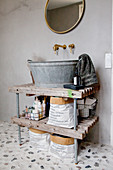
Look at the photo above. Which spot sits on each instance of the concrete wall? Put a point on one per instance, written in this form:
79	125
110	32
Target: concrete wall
112	85
25	35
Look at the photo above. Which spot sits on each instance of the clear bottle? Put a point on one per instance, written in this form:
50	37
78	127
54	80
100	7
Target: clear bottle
40	110
35	115
44	106
35	104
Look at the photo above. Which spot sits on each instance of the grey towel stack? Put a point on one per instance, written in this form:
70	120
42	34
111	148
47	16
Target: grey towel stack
86	70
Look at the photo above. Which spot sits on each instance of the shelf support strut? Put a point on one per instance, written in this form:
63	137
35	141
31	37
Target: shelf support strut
75	124
18	115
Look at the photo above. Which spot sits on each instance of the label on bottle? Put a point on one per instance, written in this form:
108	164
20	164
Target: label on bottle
75	80
36	116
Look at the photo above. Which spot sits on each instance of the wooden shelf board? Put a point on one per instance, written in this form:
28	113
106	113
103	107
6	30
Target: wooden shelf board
61	92
80	133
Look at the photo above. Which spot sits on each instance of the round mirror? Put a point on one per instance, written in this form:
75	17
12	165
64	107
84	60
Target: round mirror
63	15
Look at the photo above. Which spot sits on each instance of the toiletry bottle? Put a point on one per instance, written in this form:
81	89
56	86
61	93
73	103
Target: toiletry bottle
41	114
35	104
77	81
42	109
47	106
32	117
36	116
44	106
26	112
39	109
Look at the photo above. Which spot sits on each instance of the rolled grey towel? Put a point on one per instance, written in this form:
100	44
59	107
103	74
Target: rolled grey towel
86	70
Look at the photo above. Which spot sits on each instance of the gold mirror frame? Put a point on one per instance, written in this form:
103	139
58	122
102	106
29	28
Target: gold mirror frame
71	28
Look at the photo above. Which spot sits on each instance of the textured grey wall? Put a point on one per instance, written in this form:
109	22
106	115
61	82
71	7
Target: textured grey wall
25	35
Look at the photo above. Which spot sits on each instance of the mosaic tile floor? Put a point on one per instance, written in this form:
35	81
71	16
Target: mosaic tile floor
25	157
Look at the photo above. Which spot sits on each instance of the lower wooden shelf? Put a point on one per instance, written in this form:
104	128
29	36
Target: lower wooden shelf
81	131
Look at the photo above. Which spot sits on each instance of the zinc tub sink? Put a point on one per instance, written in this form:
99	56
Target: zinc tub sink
50	74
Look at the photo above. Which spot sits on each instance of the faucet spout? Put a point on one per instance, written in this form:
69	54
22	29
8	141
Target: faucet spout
56	47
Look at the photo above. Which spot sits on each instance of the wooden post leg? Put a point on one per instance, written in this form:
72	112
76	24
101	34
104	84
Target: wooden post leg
75	124
18	115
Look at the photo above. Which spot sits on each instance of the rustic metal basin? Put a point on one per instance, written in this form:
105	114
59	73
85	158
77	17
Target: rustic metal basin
50	74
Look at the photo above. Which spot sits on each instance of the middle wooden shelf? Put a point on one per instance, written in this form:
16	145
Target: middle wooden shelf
82	128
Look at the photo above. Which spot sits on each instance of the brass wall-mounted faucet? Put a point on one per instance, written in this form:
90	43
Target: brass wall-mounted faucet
71	46
56	47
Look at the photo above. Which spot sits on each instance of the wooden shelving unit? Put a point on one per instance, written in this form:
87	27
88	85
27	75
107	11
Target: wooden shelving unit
80	130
